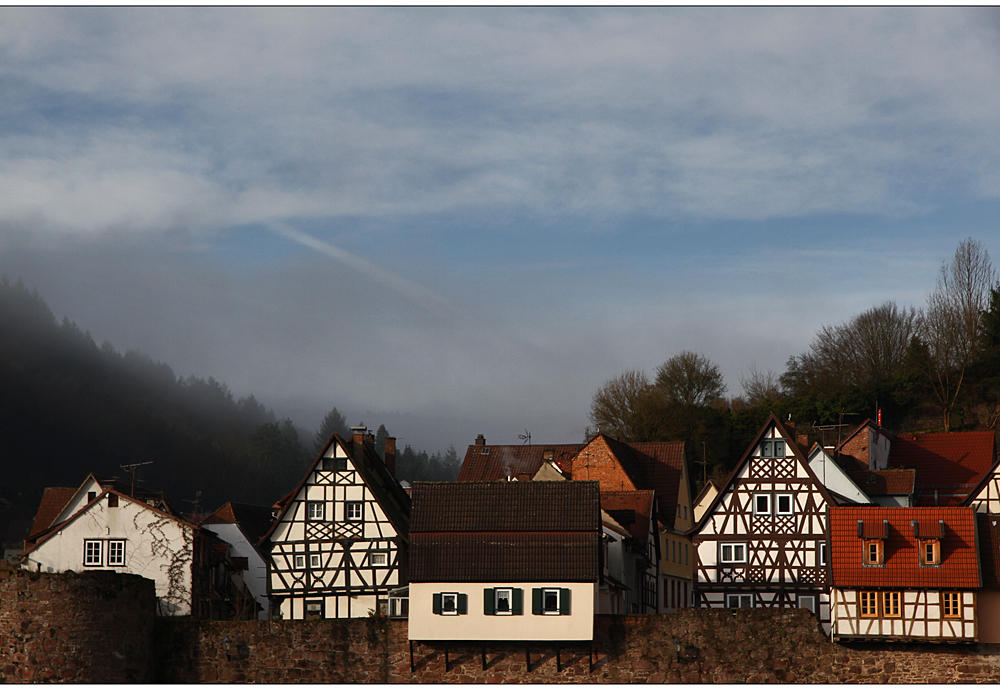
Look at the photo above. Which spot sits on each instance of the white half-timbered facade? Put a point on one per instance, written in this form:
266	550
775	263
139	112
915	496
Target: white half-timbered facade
904	574
762	542
339	542
985	498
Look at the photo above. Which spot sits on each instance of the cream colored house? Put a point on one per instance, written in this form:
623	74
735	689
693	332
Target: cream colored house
514	561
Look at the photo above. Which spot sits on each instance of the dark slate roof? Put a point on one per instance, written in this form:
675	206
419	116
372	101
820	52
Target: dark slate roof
505	531
499	557
505	507
490	463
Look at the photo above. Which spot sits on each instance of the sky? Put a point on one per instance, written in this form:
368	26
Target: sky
465	220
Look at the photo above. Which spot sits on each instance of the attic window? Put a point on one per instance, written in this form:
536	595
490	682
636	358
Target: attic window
485	450
871	478
91	495
112	500
930	552
873	554
772	448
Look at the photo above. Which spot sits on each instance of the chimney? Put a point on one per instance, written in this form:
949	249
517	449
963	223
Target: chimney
390	455
803	441
480	440
358	442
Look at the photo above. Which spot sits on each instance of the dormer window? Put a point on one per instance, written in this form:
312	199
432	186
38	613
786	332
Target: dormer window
874	553
930	552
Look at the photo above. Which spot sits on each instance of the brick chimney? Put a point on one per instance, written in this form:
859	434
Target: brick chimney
358	442
390	455
480	440
803	441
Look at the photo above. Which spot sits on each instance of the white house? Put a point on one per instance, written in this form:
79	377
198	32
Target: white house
242	526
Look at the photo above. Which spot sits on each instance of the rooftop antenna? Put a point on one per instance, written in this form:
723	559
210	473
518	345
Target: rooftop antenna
196	502
526	437
132	468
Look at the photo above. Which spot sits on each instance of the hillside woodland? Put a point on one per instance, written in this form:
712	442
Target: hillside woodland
69	406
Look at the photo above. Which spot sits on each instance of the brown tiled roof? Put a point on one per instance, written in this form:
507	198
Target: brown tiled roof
490	463
989	548
54	499
498	557
884	482
952	463
640	503
505	507
959	564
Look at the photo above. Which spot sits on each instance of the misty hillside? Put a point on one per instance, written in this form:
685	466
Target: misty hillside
69	406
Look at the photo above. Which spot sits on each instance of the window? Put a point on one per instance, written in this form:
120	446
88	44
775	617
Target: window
91	495
734	553
686	554
503	601
300	562
354	510
314	610
112	500
550	602
331	464
772	448
739	601
808	602
116	551
890	605
92	552
378	558
930	552
399	607
314	510
822	553
762	504
783	504
949	605
451	604
869	605
315	560
873	552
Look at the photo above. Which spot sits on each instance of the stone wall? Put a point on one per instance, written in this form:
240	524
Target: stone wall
94	627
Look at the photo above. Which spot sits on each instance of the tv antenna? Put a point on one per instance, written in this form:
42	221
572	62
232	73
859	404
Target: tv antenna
132	468
526	437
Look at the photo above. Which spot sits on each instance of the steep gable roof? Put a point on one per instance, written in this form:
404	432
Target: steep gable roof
884	482
497	531
797	452
959	561
952	463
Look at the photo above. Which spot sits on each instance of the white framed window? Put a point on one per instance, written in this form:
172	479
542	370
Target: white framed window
377	558
772	448
299	562
550	602
808	602
739	601
399	607
354	511
116	552
784	504
762	504
503	599
93	552
314	610
314	510
821	553
315	560
733	553
449	604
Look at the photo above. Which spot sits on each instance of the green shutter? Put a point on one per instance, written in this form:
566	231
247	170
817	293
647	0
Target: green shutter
564	602
536	600
437	604
488	603
518	604
463	604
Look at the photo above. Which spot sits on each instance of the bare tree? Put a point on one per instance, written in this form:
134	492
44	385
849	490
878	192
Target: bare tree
760	387
952	324
690	379
628	407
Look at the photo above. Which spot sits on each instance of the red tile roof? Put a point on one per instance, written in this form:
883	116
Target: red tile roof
54	499
490	463
638	504
951	463
884	482
959	562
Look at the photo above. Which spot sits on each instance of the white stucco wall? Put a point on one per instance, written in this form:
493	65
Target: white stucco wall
157	547
424	624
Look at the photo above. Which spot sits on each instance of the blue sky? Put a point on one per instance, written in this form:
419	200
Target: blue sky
464	221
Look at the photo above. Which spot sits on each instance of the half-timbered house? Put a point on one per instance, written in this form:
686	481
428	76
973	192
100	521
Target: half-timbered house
339	542
762	541
516	561
907	574
985	496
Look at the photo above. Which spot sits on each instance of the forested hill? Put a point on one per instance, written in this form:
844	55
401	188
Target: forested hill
69	406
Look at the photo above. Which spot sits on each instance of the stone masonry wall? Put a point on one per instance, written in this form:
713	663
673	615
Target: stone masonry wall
94	627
